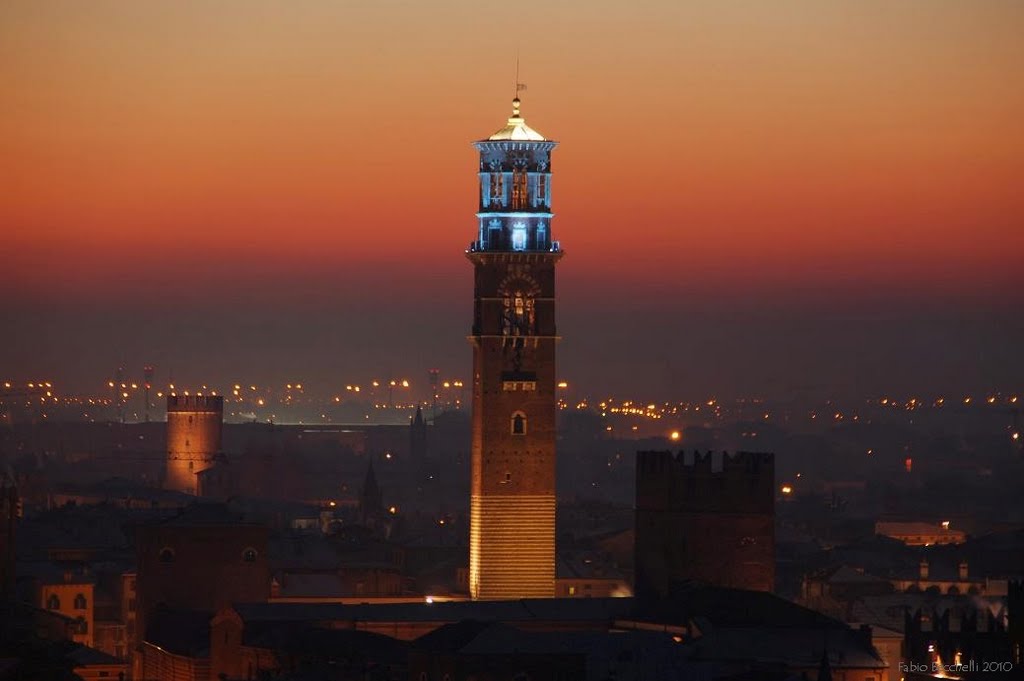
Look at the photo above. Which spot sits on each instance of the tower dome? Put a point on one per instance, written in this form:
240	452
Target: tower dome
516	129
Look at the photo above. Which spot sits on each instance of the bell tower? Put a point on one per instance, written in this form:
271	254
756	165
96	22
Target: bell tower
512	504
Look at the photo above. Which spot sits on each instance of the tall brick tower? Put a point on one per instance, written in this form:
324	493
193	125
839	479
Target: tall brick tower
194	426
512	504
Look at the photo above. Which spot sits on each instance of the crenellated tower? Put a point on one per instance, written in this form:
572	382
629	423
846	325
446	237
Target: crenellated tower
696	522
512	504
194	431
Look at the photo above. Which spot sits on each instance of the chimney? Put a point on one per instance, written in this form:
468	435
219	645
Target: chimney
924	568
962	570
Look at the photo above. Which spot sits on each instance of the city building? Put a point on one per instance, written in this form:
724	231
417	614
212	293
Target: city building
512	502
194	435
697	523
189	566
920	533
69	593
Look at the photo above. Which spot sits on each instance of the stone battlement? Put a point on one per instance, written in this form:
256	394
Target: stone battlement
673	481
195	403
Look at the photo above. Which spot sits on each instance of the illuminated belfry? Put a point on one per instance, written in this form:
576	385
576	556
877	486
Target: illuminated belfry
512	504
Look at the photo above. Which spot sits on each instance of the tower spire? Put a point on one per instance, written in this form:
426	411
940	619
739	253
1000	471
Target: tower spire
519	87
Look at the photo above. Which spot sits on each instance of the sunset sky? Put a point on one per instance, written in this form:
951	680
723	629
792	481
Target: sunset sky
754	197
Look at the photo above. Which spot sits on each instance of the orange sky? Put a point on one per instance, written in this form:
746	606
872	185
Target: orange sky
852	148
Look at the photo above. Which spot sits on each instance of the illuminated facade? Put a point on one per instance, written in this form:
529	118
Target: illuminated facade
512	504
194	427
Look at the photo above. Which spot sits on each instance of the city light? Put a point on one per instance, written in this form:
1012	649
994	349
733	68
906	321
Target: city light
674	436
787	489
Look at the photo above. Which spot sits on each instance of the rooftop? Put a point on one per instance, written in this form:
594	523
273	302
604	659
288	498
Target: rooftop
516	130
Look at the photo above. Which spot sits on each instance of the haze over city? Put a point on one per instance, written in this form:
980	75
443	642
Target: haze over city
756	199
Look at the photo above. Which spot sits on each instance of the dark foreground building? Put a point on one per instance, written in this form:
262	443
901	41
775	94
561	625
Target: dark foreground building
694	522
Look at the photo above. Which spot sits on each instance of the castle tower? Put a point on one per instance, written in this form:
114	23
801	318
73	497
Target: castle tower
512	503
194	425
697	523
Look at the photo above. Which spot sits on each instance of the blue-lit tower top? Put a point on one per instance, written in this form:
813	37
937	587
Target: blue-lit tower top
515	189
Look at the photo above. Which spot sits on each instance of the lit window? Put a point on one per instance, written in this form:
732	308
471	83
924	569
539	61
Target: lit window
497	189
572	591
519	237
519	192
519	423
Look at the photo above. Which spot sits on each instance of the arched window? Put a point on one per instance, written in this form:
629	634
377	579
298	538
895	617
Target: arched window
167	555
53	602
519	423
249	555
80	603
82	625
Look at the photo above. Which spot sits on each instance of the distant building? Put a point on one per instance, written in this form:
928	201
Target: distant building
371	499
194	433
9	509
696	523
418	445
512	499
69	593
920	533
